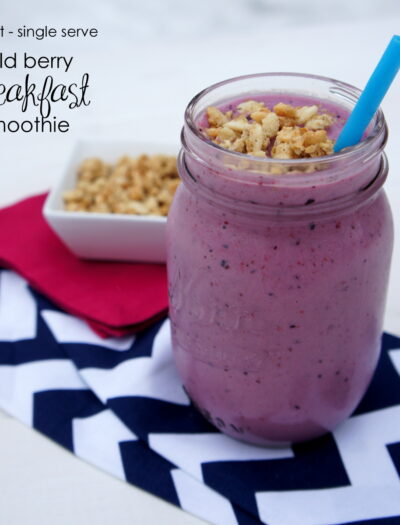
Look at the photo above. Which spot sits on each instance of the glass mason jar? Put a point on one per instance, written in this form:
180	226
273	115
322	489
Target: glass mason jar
278	272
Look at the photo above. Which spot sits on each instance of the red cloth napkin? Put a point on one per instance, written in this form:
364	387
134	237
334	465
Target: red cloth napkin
114	298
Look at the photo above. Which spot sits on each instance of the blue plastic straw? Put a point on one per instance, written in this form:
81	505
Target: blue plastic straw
371	97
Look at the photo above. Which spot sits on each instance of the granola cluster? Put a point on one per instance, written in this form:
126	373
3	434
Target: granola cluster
143	186
286	132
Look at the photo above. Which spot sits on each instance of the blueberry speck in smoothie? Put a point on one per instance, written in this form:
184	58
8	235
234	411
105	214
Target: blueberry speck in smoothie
220	422
224	264
239	430
309	201
311	226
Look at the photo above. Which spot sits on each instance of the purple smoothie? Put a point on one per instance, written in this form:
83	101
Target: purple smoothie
277	287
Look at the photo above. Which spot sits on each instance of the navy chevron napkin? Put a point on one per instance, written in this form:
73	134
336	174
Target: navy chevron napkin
118	404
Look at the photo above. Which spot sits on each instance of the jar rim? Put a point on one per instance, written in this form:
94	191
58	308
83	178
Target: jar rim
294	211
378	131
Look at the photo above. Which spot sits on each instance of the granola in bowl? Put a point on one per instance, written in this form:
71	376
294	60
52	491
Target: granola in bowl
144	185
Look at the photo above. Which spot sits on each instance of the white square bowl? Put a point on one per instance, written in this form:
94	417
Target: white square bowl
107	236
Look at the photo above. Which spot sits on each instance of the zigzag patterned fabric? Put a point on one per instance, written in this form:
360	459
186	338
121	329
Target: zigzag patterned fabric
118	404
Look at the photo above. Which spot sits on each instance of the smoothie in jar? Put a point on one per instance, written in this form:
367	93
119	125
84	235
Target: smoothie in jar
277	263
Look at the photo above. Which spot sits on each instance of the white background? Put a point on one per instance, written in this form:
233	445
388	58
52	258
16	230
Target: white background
149	59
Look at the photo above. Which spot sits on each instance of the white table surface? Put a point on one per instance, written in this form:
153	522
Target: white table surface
40	482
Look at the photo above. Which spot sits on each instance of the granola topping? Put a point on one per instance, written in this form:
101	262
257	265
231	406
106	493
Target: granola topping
141	186
285	132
